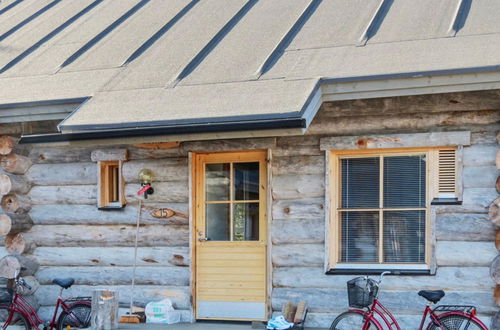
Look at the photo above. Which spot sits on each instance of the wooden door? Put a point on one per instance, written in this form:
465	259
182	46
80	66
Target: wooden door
230	235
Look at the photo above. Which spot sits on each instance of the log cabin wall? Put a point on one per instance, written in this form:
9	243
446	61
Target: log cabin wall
71	237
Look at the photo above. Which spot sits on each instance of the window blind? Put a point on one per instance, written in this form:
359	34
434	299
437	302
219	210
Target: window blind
383	224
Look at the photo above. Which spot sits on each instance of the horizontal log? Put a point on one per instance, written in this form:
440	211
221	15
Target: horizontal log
298	165
112	256
64	194
123	235
135	152
179	295
480	155
97	275
15	164
385	141
327	300
298	231
380	124
51	155
449	253
11	223
464	227
229	145
14	203
63	174
305	150
446	278
479	176
170	169
416	104
486	135
298	186
11	183
90	215
478	199
304	208
165	192
109	155
7	144
298	255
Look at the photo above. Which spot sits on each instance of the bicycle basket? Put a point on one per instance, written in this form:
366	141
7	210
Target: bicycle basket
361	292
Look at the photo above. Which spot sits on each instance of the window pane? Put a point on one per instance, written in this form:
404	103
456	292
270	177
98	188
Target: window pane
246	181
404	181
217	222
360	182
404	236
359	236
246	222
217	182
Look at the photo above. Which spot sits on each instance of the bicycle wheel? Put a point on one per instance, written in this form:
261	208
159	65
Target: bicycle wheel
457	322
352	321
18	321
78	317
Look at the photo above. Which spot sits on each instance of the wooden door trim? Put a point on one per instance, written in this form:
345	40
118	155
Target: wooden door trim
195	186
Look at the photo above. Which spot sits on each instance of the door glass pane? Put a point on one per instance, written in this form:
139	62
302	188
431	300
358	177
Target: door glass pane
217	222
246	181
360	182
246	222
359	236
404	236
217	182
404	181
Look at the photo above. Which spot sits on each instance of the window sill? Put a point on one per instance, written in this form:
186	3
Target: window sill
446	201
111	208
377	270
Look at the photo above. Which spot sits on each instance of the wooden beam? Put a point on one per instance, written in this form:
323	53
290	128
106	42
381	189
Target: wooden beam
383	141
158	145
109	155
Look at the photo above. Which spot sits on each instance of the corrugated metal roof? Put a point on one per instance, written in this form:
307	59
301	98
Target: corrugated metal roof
153	60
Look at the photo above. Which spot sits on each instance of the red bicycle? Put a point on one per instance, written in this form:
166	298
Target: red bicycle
367	312
18	314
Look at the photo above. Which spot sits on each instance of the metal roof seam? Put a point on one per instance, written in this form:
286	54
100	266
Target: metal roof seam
460	17
9	7
49	36
376	21
28	19
198	58
158	34
280	48
101	35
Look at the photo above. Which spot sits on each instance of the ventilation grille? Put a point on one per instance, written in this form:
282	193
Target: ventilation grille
447	171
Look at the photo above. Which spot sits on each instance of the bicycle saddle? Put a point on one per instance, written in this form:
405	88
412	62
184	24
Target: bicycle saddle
64	282
432	296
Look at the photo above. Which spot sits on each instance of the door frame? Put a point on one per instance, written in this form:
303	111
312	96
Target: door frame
193	183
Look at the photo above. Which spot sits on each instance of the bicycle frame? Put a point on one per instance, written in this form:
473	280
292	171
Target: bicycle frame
377	308
21	306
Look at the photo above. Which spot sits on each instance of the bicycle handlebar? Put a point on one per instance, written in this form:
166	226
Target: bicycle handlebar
23	283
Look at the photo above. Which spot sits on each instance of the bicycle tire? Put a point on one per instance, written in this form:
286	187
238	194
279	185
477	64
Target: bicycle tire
457	322
79	311
351	320
18	322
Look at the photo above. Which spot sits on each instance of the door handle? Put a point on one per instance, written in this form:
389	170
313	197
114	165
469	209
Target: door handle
203	239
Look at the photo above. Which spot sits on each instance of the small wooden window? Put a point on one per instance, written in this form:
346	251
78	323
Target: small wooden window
110	184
